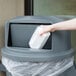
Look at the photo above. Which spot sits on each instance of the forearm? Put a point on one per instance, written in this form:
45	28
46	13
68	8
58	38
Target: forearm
65	25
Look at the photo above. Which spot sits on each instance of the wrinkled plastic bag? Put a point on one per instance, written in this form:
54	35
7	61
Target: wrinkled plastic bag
53	68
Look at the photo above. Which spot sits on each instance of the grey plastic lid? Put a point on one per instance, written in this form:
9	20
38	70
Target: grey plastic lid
27	54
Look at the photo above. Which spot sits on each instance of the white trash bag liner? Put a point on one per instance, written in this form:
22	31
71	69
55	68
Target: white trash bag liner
37	69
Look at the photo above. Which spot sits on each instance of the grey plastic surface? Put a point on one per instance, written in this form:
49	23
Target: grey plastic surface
26	54
69	72
18	32
2	68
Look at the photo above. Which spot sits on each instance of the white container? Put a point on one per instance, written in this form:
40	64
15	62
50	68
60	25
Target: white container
38	41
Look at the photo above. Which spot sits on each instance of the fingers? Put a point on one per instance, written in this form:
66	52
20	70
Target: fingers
44	29
41	33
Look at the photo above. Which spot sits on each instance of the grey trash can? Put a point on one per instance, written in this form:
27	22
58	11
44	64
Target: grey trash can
18	32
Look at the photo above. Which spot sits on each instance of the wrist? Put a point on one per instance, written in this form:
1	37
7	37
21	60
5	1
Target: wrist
52	28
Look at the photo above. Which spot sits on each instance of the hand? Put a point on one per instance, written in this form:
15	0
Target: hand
46	28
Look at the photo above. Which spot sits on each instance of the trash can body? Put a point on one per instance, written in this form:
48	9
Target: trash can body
18	32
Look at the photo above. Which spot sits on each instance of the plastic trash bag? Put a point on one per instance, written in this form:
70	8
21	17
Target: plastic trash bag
53	68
